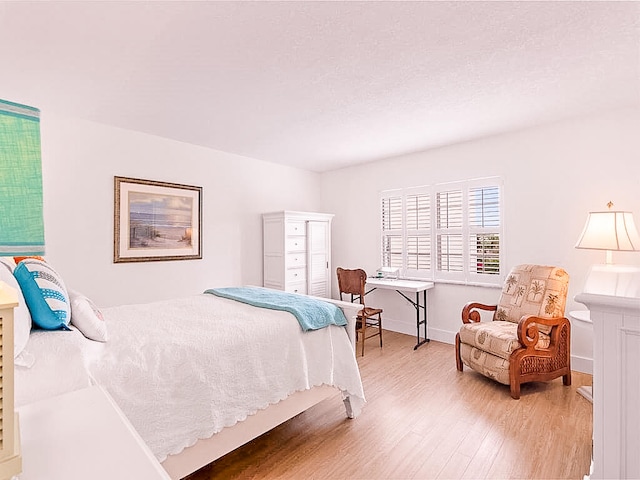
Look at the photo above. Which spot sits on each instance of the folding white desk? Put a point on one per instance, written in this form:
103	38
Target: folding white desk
411	286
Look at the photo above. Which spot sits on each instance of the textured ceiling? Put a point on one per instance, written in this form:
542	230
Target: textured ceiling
321	85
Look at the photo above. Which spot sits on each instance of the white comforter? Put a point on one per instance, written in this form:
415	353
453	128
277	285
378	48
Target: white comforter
182	370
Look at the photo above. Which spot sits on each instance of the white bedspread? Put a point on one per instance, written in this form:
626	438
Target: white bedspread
182	370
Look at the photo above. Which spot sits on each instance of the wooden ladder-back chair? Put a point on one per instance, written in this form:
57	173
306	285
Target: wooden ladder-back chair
352	282
529	338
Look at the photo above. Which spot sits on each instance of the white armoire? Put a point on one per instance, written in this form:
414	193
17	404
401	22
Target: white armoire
297	252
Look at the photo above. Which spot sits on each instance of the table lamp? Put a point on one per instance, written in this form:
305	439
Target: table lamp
21	233
611	230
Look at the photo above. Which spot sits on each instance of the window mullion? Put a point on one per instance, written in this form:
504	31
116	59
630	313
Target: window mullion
465	228
403	271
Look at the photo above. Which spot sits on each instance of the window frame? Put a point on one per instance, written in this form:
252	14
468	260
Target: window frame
463	228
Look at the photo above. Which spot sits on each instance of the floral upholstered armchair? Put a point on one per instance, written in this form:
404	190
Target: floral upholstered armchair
529	338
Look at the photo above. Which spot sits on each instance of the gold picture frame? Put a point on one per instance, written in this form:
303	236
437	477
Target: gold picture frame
156	221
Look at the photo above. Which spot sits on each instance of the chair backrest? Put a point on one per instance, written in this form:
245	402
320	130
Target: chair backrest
352	282
533	290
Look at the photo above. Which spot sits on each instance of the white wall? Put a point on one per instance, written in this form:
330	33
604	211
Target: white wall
553	175
80	160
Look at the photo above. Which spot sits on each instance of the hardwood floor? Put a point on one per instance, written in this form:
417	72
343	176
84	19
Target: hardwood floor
425	420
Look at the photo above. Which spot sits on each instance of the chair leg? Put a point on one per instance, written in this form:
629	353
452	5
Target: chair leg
566	379
363	333
459	364
380	328
515	390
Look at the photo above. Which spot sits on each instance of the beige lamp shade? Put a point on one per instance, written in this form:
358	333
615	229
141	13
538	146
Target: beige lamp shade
610	230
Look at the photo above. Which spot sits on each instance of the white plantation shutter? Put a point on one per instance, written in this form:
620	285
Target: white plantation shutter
469	231
392	240
417	233
418	211
449	222
392	251
484	230
392	213
450	252
450	232
419	252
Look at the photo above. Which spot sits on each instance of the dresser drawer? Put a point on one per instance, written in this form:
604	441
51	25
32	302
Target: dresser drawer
294	275
295	228
296	260
300	287
295	244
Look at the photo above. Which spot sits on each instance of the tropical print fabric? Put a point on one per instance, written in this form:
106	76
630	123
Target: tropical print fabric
533	290
528	290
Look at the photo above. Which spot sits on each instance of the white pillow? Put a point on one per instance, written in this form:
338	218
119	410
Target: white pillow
9	262
87	318
21	314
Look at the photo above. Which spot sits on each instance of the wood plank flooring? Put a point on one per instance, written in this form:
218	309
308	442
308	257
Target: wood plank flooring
425	420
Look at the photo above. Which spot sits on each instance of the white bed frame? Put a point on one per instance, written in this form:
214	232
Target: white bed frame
207	450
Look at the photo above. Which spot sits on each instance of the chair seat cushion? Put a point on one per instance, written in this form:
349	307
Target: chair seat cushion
499	338
485	363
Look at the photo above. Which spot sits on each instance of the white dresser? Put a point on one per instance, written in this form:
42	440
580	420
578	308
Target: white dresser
297	252
616	385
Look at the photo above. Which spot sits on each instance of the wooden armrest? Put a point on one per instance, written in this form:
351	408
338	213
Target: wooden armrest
528	333
470	311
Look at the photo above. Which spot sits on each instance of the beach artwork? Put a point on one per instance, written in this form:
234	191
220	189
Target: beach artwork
156	221
159	221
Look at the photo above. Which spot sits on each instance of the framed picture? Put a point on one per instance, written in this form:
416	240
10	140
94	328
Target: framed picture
156	221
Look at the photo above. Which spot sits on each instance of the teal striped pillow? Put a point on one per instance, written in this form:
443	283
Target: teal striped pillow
44	293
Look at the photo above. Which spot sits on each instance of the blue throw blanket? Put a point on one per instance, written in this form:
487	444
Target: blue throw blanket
312	314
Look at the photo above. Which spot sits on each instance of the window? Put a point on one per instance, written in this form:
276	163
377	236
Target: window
448	232
484	230
406	231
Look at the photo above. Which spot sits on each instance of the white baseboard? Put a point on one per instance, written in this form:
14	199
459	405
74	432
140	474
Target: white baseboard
400	327
582	364
410	329
579	364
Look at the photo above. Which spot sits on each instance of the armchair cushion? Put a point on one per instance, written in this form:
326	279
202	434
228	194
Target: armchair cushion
485	363
499	338
533	290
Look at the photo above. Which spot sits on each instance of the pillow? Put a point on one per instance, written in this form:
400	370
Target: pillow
45	294
19	259
21	315
9	262
87	318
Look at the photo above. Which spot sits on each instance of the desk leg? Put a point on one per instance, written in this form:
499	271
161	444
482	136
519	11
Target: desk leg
421	322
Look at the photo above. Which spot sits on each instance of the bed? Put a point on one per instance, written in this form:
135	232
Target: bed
201	375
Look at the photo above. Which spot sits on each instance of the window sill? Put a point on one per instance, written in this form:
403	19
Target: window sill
457	282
